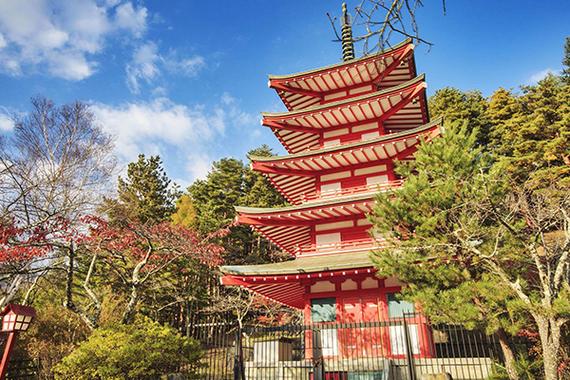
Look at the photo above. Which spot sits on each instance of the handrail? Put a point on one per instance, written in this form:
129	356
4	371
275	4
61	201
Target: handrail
384	186
337	247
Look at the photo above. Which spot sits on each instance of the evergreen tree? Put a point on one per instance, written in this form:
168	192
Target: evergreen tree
231	183
454	105
566	62
479	232
419	220
145	195
530	135
185	214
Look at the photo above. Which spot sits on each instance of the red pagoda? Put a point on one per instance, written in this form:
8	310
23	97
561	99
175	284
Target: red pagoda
345	127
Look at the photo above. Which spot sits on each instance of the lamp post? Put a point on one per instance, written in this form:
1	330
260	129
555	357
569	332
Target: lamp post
15	319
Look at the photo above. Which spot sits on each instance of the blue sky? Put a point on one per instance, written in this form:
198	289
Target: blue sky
187	79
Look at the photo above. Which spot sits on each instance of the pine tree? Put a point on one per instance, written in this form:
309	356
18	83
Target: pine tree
231	183
419	220
145	195
566	62
470	106
530	135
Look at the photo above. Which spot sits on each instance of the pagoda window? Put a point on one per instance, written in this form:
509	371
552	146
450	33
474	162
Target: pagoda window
334	225
335	176
371	169
335	95
330	187
365	127
327	241
323	309
370	135
398	307
377	179
330	143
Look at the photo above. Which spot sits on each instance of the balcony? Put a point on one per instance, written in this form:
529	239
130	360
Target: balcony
339	247
370	188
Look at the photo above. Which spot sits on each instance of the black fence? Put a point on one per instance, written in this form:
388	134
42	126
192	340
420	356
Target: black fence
401	349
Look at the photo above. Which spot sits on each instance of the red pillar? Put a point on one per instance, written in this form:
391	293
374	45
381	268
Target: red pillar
7	351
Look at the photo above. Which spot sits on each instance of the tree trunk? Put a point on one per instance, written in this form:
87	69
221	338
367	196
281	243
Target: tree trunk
508	354
130	309
68	302
12	290
549	333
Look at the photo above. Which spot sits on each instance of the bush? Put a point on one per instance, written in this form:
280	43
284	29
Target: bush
54	334
143	350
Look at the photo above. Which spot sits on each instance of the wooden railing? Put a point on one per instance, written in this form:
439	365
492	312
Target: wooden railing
339	247
375	187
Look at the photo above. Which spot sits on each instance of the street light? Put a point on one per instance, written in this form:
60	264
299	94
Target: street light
15	319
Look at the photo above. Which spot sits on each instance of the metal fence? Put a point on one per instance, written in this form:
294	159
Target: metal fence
400	349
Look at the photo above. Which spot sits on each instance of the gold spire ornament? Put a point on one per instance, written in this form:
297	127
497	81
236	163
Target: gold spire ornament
347	42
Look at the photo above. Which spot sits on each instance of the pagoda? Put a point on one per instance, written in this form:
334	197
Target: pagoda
345	127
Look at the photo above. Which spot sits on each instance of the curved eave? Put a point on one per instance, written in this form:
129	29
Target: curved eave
281	271
392	109
346	102
346	79
339	65
284	282
290	227
360	144
280	212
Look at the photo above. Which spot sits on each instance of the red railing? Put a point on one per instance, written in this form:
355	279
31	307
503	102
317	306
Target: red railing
375	187
338	247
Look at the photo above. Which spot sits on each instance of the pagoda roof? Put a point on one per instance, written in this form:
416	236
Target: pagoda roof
290	227
284	282
301	129
295	175
384	69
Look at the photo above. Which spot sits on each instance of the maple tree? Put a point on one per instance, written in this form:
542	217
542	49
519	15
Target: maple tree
134	255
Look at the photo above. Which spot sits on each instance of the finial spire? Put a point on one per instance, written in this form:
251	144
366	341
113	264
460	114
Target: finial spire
347	43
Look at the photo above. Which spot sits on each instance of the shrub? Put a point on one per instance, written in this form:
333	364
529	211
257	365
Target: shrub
54	334
143	350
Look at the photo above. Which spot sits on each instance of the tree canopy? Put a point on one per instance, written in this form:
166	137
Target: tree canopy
479	231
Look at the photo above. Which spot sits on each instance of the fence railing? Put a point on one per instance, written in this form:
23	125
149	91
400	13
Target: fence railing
398	349
373	187
347	245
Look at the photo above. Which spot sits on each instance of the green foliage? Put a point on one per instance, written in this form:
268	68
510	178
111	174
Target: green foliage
144	350
145	195
479	228
566	61
527	369
530	136
231	183
54	334
419	220
455	105
185	214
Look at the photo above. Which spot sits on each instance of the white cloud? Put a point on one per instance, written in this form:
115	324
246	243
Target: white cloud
135	124
144	66
147	64
175	131
6	122
197	165
62	37
189	67
538	76
235	113
131	18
